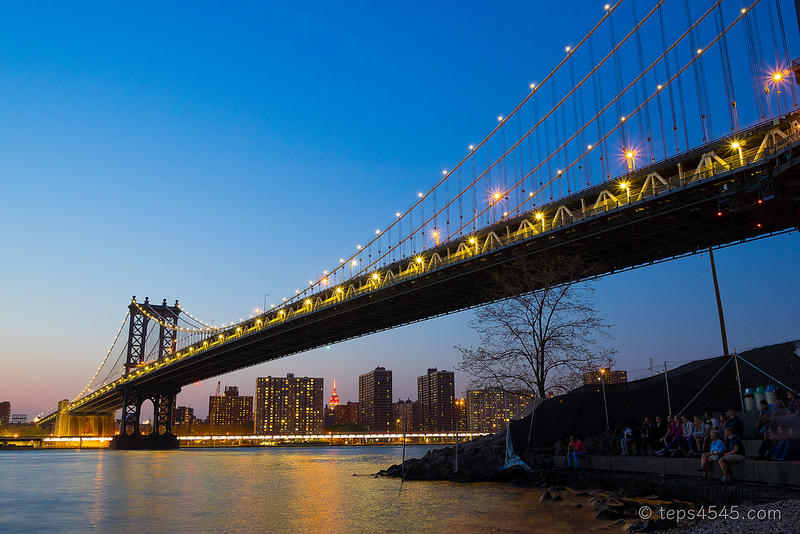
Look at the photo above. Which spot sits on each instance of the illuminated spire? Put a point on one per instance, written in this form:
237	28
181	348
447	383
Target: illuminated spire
334	401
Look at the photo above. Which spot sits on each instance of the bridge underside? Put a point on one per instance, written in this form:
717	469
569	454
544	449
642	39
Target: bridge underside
744	203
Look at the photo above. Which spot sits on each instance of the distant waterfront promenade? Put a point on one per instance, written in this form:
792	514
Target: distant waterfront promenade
250	440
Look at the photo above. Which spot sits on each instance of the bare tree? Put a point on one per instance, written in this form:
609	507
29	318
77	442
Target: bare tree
541	333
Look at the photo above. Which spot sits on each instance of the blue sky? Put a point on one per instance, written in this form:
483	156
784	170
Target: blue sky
215	154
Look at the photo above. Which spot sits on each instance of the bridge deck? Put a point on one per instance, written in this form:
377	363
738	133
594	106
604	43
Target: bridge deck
711	196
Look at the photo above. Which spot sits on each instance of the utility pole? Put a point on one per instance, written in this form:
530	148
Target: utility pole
666	380
719	303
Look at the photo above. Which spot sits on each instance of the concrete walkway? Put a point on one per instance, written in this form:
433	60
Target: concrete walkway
772	472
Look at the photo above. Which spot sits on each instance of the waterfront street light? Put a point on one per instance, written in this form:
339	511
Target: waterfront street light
778	78
737	145
631	159
605	402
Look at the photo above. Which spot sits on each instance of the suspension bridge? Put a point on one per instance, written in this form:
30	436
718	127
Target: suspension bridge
622	152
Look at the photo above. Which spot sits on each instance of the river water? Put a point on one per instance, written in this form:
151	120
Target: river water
273	489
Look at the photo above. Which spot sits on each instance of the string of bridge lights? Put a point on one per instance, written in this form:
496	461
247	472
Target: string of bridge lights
636	110
608	9
171	326
354	260
119	332
198	321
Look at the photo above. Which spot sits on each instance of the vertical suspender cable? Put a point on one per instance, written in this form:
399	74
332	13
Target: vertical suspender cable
618	81
778	59
759	56
474	196
547	151
785	48
538	139
669	75
460	204
601	126
575	103
503	170
726	68
752	61
647	128
521	152
557	139
447	203
564	175
699	79
530	141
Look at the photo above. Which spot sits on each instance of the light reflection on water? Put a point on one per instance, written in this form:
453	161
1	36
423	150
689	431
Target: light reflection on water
319	489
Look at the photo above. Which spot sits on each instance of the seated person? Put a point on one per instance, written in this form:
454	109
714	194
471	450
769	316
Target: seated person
792	404
629	438
717	448
688	429
735	422
673	438
616	435
735	448
765	416
699	437
575	449
667	430
708	417
659	431
785	448
771	439
646	432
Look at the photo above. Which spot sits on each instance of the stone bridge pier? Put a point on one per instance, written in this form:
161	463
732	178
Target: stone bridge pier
83	424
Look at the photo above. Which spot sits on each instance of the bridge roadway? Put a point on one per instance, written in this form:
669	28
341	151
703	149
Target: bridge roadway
717	194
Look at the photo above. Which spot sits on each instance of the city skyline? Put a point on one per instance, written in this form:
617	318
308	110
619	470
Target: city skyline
223	157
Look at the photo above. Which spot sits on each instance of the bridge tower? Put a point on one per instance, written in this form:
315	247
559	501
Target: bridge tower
133	396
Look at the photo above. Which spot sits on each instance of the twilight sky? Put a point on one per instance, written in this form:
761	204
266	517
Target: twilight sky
214	154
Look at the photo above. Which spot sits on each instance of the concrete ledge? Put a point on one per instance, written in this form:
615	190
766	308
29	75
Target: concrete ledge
774	472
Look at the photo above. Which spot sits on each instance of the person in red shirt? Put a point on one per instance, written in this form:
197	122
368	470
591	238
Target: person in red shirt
574	450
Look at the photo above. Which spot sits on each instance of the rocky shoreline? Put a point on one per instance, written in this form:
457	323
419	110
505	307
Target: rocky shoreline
620	499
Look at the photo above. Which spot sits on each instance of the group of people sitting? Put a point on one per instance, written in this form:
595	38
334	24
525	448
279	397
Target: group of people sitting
709	438
675	436
779	430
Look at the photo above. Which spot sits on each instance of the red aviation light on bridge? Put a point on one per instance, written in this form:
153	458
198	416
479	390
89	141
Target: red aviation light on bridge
719	214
